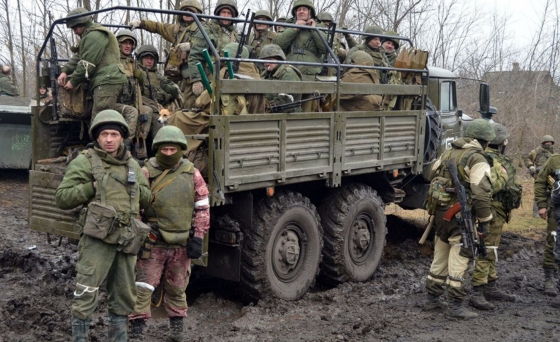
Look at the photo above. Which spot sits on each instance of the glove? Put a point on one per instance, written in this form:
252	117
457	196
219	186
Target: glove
197	88
142	117
184	46
135	24
532	169
483	229
194	248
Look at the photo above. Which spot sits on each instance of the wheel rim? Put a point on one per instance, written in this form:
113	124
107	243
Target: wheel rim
360	238
287	252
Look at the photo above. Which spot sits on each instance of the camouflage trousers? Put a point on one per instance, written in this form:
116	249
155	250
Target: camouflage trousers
549	262
189	97
105	96
130	115
98	261
175	267
485	268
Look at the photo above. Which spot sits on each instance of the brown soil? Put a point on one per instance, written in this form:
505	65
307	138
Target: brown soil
37	285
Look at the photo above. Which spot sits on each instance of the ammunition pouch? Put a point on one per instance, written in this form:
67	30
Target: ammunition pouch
127	94
99	220
178	55
135	236
438	196
75	103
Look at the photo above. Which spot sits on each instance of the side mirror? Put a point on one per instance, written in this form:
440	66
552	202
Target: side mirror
484	100
459	113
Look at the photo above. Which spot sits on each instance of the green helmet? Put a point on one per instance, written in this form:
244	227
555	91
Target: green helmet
108	116
547	138
232	49
126	34
361	58
373	29
501	134
147	50
70	23
306	3
193	4
395	41
281	20
325	16
272	50
231	4
263	13
480	129
170	134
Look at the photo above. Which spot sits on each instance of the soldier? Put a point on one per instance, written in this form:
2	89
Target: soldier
261	36
179	204
372	45
7	86
391	47
536	159
503	202
180	35
555	199
277	28
351	102
112	189
281	72
96	61
339	47
157	90
451	261
545	179
220	32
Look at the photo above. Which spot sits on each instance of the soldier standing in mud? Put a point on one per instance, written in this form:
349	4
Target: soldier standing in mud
543	184
503	183
112	188
451	260
179	204
536	159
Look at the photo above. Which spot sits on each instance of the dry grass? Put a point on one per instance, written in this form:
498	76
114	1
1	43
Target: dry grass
522	221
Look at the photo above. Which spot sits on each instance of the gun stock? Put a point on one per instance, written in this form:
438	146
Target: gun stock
243	39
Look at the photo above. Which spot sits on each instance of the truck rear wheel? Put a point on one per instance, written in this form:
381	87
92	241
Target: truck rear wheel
353	220
282	254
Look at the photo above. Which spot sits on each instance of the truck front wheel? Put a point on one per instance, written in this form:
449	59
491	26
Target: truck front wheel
354	224
281	254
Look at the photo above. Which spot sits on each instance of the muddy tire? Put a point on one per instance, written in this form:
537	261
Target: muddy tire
434	132
282	253
354	224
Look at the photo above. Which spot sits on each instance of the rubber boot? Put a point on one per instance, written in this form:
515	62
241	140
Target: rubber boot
176	333
549	285
80	330
137	330
492	292
434	302
478	300
118	326
458	311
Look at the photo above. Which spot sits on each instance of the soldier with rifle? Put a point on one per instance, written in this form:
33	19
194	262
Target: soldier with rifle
372	45
260	37
461	174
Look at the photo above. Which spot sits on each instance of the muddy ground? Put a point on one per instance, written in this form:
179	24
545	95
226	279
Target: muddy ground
36	287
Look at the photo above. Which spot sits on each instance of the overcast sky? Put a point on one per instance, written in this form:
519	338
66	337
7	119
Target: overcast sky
525	15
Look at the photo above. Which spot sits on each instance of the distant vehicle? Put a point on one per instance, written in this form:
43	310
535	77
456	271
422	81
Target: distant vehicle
15	132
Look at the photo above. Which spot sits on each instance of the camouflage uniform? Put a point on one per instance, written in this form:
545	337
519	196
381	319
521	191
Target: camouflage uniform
351	102
97	61
7	87
280	29
258	39
178	34
104	259
180	202
451	261
392	56
536	159
378	54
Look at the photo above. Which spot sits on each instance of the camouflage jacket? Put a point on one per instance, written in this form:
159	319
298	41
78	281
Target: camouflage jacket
257	43
355	102
538	156
542	186
97	59
391	57
7	87
219	36
283	72
302	45
129	93
156	88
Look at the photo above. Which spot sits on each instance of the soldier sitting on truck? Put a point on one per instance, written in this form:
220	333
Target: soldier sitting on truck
261	36
351	102
391	47
280	72
372	46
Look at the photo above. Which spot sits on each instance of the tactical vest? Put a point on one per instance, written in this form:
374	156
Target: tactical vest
114	189
172	201
111	55
150	87
542	156
257	44
129	87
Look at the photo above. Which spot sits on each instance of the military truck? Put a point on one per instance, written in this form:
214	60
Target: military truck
294	196
15	132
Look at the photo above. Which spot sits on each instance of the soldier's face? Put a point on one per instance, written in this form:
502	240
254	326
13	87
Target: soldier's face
547	144
126	47
148	61
303	13
225	12
388	46
270	64
261	27
78	30
188	19
109	140
169	150
374	42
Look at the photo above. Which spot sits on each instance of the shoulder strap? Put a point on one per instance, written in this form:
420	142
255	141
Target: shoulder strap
98	174
156	187
184	28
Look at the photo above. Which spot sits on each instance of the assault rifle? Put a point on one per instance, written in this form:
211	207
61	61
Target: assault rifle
295	104
469	235
244	38
54	72
330	40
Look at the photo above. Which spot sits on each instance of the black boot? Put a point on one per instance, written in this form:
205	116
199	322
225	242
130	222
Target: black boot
458	311
549	286
176	333
434	302
492	292
118	326
137	330
80	330
478	300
